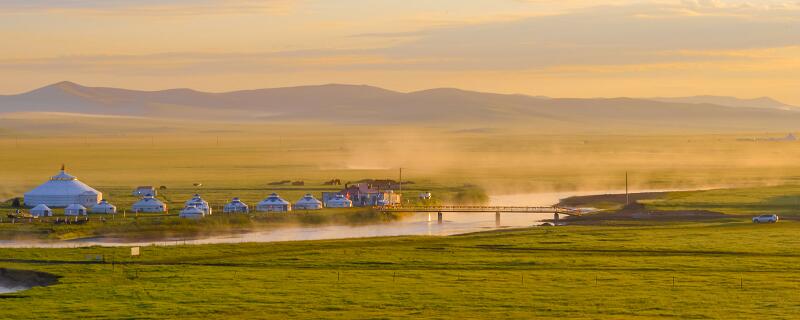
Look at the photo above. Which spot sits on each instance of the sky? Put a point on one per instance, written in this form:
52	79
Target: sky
558	48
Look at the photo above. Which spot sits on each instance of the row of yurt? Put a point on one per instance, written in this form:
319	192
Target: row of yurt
74	209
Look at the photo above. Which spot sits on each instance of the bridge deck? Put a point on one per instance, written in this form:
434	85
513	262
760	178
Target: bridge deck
501	209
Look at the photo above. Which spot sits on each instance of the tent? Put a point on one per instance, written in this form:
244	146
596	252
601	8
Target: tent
149	204
41	211
339	201
103	207
308	202
274	203
63	190
236	206
198	202
192	212
75	210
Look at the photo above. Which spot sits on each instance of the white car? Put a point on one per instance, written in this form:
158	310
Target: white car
766	218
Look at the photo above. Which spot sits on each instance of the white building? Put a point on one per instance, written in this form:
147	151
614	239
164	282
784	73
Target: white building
192	212
149	204
198	202
75	210
308	202
274	203
61	191
41	211
339	201
236	206
103	207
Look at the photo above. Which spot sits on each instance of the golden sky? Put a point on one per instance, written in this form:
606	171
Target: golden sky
559	48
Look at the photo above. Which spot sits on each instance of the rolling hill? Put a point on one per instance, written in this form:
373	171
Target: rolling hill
360	104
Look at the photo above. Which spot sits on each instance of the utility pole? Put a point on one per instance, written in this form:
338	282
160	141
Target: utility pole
627	196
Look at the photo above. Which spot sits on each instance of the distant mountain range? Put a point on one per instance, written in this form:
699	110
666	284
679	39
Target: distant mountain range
360	104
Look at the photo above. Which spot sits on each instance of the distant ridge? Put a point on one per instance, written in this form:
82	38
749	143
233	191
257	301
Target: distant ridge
342	103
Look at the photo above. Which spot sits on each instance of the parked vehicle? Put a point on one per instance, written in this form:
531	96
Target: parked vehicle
766	218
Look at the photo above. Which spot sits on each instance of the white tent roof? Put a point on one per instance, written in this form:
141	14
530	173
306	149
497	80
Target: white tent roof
41	208
196	200
62	184
308	199
103	205
147	201
274	199
235	202
75	206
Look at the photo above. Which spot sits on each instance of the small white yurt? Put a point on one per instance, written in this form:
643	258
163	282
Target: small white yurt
192	212
339	201
236	206
103	207
308	202
63	190
41	211
197	201
274	203
149	204
75	210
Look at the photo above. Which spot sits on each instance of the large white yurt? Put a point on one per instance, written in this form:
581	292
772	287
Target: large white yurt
75	210
274	203
197	201
41	211
103	207
308	202
339	201
236	206
192	212
61	191
149	204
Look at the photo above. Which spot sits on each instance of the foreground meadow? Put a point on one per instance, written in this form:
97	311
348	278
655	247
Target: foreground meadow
717	270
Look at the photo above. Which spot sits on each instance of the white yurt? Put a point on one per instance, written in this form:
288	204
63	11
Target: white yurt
103	207
236	206
41	211
61	191
198	202
149	204
339	201
75	210
192	212
308	202
274	203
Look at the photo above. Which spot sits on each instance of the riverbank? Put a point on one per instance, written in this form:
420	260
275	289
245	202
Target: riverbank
655	271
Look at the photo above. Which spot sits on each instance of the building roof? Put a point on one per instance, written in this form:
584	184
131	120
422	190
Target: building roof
75	206
236	203
148	200
274	199
103	204
41	207
308	199
62	184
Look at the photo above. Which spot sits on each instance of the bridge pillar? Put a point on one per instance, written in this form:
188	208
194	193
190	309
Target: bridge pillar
555	219
497	218
440	217
429	217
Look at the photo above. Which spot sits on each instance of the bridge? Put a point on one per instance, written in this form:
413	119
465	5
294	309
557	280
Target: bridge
440	210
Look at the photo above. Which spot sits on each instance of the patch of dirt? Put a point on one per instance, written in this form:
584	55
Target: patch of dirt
638	212
584	201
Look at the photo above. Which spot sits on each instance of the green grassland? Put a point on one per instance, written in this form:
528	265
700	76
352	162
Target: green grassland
718	270
781	200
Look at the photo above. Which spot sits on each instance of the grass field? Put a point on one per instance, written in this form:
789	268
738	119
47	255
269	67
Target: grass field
684	270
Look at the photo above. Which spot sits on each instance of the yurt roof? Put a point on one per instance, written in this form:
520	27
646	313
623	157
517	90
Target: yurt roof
274	199
41	207
236	202
75	206
308	199
192	210
104	204
62	184
148	201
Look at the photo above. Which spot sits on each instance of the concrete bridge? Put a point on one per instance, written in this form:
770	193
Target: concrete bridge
440	210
